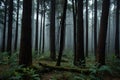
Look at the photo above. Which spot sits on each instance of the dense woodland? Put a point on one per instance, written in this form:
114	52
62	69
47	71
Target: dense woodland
59	39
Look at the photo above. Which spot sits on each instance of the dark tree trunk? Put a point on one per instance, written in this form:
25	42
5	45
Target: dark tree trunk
40	33
43	34
10	20
58	38
74	26
103	32
86	28
17	21
117	30
4	28
62	36
25	56
95	27
52	31
109	36
37	24
80	59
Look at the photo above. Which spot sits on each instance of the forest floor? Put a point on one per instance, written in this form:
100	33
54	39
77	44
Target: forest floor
68	75
61	76
54	74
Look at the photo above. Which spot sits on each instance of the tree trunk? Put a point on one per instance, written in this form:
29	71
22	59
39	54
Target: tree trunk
95	27
52	31
74	27
25	56
103	32
86	28
10	20
17	21
80	59
62	36
43	35
40	32
37	24
117	30
4	28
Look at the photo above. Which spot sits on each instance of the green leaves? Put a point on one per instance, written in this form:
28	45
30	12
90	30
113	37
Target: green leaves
105	69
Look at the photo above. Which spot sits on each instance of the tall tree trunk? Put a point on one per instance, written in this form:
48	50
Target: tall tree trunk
37	24
74	27
17	21
117	30
108	44
4	28
25	56
80	60
10	20
95	27
52	31
43	34
40	32
58	38
86	28
62	36
103	32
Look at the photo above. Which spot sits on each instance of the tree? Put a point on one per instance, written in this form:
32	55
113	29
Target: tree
52	31
80	59
74	26
10	21
4	28
41	21
86	28
103	32
17	21
62	36
43	34
117	30
95	27
25	56
37	24
40	32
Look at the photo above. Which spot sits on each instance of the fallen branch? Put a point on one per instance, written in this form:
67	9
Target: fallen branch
58	68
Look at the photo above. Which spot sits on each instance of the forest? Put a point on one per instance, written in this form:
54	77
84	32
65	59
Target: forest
59	40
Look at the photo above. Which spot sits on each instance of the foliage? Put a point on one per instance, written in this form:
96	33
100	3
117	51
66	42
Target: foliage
25	72
15	71
19	73
6	59
114	64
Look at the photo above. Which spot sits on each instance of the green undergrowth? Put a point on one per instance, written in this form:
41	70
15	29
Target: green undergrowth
10	70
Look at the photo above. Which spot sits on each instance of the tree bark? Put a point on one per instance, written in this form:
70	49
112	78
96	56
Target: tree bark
117	30
52	31
80	59
17	24
103	32
43	34
95	27
86	28
37	24
74	27
10	21
4	28
25	56
62	36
